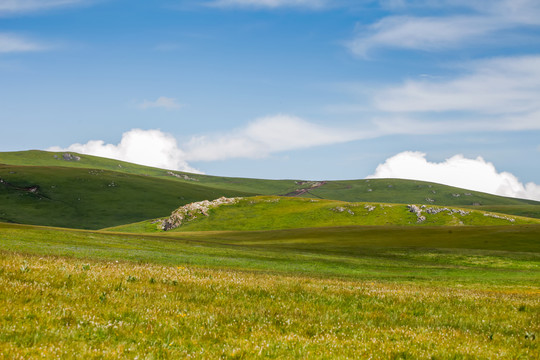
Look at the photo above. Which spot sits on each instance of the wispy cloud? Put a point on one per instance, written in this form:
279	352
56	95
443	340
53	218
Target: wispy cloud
11	43
470	22
266	136
270	4
24	6
459	171
495	86
161	102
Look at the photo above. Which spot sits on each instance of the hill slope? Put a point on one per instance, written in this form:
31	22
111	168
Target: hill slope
271	212
374	190
91	199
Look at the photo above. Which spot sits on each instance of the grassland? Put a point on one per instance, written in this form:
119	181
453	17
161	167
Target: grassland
272	212
323	291
90	198
374	190
356	292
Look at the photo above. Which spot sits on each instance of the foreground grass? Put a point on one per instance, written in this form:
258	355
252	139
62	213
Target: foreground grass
53	307
472	256
351	292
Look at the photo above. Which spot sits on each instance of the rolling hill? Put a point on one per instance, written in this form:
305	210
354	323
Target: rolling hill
88	192
272	212
89	198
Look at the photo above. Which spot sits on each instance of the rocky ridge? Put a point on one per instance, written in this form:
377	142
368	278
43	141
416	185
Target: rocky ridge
194	210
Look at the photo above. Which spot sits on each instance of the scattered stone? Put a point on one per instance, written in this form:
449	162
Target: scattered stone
499	217
180	176
430	200
456	195
70	157
468	194
369	208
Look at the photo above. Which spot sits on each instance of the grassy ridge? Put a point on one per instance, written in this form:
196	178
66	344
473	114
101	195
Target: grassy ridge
89	198
267	213
374	190
409	191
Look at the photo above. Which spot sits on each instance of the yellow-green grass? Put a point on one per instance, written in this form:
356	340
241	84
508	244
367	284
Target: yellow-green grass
270	212
278	301
65	308
466	255
90	198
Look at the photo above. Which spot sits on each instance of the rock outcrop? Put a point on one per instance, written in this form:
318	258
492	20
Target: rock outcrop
194	210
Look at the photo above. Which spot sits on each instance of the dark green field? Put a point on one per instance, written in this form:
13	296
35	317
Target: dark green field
90	198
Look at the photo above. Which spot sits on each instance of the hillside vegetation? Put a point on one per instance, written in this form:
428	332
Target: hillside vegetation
272	212
90	198
373	190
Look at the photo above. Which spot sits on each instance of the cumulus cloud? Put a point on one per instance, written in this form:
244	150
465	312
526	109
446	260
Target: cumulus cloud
145	147
161	102
473	174
475	21
22	6
272	4
265	136
10	43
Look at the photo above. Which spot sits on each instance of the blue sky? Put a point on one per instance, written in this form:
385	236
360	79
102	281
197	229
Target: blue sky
447	91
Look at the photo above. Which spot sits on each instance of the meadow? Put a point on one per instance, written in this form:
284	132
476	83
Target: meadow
355	292
273	212
269	277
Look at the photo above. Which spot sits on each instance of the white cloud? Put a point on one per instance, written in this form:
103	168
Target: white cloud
145	147
470	22
10	43
272	4
161	102
495	86
22	6
265	136
472	174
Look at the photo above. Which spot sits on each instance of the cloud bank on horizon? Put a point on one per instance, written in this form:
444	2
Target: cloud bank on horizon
158	149
459	171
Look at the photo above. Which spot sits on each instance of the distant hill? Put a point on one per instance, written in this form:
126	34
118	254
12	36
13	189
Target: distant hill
90	198
82	191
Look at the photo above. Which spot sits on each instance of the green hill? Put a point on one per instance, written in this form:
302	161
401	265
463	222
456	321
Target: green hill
272	212
89	198
82	191
374	190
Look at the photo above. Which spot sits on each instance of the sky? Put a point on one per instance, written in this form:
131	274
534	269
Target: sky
445	91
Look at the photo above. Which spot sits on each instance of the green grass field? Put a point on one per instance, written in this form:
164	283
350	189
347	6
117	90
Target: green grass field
374	190
268	277
89	198
349	292
272	212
